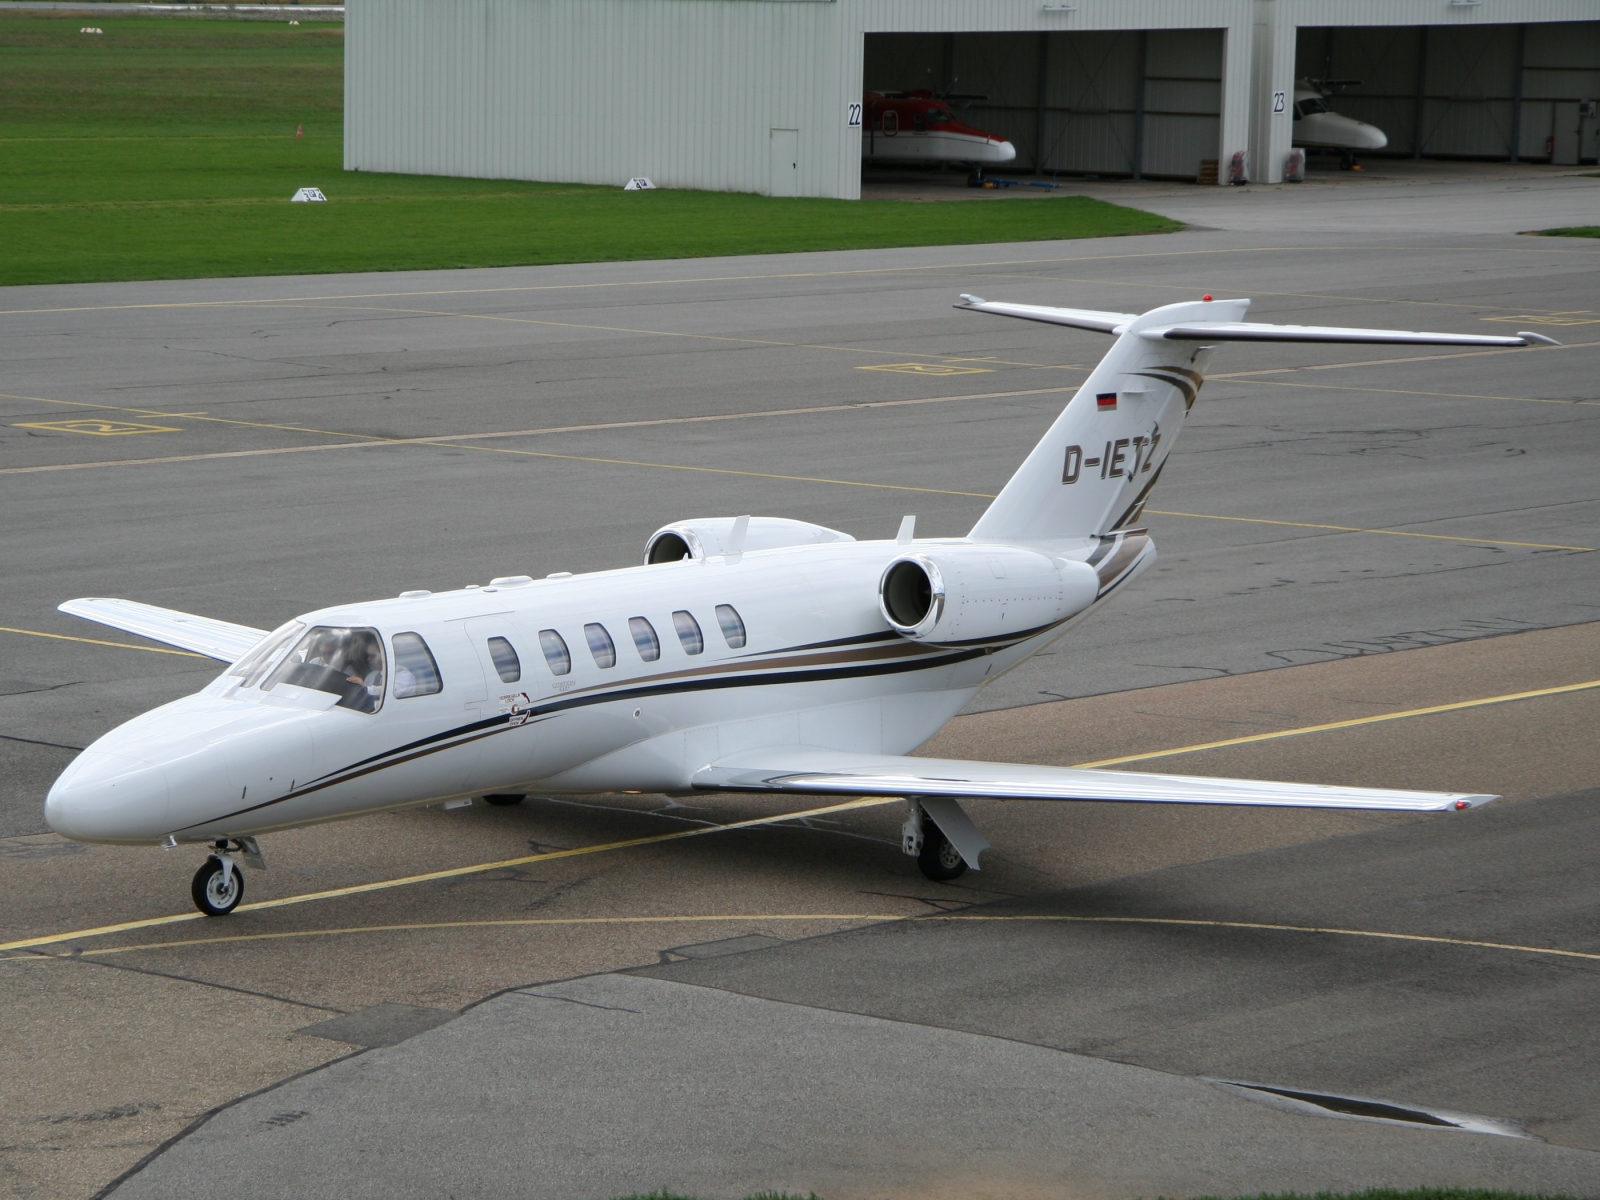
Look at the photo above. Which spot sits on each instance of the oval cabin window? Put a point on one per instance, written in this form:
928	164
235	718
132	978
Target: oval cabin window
689	634
506	663
555	652
600	645
732	626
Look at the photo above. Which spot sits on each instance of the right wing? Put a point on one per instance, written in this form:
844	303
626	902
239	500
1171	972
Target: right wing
814	770
214	639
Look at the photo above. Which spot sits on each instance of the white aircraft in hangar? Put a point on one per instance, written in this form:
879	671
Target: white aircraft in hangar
750	654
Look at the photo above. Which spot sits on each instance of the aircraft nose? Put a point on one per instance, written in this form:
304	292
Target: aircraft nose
109	797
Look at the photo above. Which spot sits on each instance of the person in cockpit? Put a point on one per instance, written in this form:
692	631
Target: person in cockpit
366	669
327	652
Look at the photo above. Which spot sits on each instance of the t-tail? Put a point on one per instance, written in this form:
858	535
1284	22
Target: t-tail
1093	472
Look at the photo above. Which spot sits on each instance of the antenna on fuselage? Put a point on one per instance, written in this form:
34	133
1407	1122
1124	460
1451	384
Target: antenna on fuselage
735	544
908	528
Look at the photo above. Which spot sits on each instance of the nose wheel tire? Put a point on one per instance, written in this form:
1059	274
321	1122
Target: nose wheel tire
217	890
939	860
505	799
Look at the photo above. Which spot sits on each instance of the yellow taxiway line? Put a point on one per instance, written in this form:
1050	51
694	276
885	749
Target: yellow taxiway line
878	918
1352	723
67	637
864	802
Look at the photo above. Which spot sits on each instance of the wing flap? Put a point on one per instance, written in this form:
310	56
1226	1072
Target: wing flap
814	770
221	640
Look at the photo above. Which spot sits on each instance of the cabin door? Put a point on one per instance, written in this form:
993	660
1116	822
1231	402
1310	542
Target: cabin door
508	754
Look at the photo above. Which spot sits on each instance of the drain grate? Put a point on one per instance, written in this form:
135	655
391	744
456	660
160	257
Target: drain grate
1361	1108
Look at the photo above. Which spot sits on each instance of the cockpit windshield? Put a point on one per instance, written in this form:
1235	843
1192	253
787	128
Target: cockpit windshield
346	662
259	660
1312	105
938	116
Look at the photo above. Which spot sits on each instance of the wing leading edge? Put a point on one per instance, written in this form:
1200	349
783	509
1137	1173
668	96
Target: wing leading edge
814	770
203	635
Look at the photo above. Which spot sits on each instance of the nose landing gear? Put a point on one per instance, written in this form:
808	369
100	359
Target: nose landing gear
219	883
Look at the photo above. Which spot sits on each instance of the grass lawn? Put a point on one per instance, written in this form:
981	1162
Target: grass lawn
1572	231
165	148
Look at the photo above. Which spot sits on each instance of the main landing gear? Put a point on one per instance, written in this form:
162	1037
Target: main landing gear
219	883
924	841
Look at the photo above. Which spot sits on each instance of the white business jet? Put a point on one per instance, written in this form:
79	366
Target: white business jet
751	654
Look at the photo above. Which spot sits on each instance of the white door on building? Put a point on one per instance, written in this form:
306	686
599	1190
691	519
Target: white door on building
785	162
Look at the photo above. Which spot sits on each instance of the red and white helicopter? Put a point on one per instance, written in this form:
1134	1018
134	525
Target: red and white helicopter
747	654
920	127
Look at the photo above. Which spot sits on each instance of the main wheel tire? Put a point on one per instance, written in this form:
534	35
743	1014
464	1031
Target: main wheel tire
213	895
939	860
505	799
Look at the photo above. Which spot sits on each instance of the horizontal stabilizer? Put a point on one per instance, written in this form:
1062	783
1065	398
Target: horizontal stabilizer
214	639
1249	331
817	771
1077	318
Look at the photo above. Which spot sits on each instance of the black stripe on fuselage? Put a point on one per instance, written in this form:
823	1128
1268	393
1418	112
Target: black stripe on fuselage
541	712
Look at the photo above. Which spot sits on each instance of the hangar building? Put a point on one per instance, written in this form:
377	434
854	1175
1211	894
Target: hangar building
765	95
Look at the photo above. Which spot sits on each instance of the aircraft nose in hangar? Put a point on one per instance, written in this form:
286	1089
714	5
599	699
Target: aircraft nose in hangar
109	797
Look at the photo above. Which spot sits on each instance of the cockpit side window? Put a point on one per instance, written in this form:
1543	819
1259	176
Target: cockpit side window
264	655
347	662
415	672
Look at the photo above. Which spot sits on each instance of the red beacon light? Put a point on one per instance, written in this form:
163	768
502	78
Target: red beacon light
1460	804
1207	296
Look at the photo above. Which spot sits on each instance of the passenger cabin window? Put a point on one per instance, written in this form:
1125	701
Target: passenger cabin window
415	672
600	645
264	656
732	626
555	652
506	662
644	637
688	632
349	663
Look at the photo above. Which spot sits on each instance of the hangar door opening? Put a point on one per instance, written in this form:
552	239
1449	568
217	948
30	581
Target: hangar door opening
1508	92
1128	103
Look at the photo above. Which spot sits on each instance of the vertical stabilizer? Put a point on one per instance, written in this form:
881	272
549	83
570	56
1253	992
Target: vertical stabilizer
1094	469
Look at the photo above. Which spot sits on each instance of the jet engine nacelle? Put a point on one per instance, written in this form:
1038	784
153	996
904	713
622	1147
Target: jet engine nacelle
972	594
707	537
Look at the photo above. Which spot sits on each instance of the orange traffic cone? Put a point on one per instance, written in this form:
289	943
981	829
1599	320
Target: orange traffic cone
299	131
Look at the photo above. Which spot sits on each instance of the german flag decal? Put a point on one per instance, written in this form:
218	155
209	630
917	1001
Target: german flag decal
1106	401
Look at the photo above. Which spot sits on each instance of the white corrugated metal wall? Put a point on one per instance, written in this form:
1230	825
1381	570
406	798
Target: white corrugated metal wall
690	91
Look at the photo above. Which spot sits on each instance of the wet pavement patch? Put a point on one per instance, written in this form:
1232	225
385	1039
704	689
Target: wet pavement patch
381	1025
1364	1109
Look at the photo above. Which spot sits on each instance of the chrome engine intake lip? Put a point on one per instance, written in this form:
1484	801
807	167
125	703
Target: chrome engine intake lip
893	580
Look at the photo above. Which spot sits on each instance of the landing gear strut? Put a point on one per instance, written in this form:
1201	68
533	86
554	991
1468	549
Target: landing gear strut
219	883
923	840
